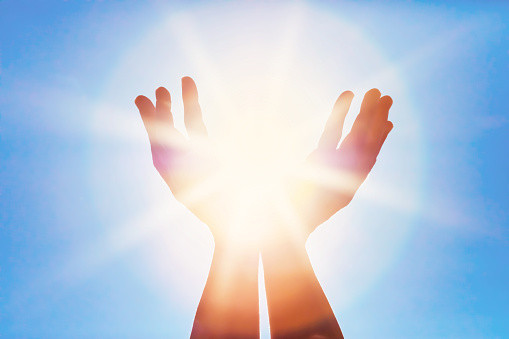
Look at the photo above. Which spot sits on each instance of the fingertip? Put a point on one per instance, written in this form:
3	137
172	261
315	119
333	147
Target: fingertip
374	91
140	100
386	98
161	90
189	89
347	94
186	81
163	94
345	97
144	105
386	101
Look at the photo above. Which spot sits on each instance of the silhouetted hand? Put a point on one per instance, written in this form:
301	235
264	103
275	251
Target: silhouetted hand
326	183
229	304
187	165
332	175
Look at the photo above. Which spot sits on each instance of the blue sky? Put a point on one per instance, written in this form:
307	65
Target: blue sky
92	245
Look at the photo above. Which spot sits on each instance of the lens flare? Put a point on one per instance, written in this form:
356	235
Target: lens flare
266	90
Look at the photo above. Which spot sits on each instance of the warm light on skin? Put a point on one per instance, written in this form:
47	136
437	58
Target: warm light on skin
245	176
238	191
265	104
96	244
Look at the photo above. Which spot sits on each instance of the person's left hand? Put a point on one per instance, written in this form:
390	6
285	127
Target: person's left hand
189	166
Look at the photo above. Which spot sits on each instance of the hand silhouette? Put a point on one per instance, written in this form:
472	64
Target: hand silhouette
331	176
326	183
229	304
188	165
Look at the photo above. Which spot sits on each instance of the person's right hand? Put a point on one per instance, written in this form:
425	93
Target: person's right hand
187	165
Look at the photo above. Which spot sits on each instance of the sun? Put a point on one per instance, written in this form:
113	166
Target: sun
266	89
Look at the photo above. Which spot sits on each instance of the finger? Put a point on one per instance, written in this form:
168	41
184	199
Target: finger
369	103
387	129
163	106
146	108
192	111
379	121
334	126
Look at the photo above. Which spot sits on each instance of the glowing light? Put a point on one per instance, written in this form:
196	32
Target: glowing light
266	89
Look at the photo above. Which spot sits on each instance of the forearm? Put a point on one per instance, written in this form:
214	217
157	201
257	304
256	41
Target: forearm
298	307
229	304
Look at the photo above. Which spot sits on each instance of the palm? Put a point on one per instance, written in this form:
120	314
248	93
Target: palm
331	176
187	165
325	183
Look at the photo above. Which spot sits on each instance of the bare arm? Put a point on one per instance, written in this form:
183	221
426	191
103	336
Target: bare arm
298	307
229	304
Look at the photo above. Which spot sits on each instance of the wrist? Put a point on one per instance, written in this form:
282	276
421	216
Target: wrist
235	259
285	258
243	238
285	239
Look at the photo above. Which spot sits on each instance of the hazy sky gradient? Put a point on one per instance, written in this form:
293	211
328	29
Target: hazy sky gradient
93	245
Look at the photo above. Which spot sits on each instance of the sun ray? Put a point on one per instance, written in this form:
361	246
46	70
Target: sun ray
185	32
265	93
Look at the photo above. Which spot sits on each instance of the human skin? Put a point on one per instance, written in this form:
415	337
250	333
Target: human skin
229	304
297	305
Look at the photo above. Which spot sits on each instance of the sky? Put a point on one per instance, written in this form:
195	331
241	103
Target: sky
93	245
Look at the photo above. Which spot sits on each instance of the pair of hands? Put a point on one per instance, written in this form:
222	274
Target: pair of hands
326	181
283	217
